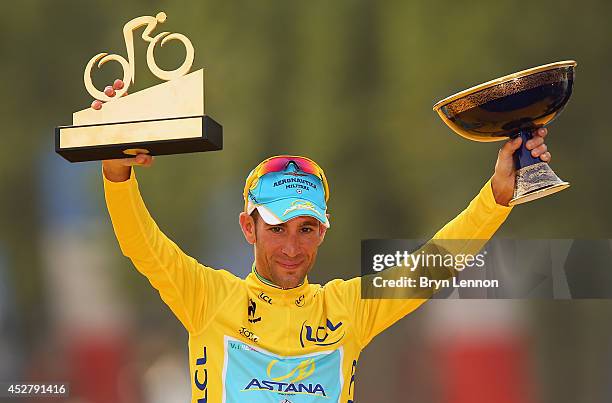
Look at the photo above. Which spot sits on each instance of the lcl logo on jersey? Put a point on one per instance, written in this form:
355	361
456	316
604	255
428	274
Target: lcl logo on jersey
265	298
300	301
326	335
201	381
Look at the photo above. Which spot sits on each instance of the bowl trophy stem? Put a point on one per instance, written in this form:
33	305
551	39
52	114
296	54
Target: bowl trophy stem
534	177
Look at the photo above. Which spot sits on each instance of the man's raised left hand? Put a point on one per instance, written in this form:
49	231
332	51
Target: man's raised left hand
505	171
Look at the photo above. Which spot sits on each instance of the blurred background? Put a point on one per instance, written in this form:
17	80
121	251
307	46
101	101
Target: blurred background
351	85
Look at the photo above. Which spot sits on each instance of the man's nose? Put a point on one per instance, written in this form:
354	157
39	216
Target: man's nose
291	246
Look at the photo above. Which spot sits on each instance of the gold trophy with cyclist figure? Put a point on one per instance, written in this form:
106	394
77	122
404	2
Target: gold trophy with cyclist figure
168	118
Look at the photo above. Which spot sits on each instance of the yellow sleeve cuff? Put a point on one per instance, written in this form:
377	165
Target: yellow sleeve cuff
486	193
126	184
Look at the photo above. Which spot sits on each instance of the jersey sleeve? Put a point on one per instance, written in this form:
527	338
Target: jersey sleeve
470	230
192	291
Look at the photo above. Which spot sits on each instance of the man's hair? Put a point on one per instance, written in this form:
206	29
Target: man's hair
255	215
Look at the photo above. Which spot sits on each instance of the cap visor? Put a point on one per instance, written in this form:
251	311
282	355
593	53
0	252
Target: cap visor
283	210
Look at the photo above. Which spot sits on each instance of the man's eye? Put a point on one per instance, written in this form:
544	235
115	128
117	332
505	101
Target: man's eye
307	230
275	230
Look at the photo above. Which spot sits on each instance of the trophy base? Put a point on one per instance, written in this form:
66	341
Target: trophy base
156	137
535	181
536	194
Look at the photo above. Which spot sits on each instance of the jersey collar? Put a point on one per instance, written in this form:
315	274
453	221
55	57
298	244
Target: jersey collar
268	282
295	295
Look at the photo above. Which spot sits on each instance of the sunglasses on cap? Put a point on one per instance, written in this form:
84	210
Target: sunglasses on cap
278	164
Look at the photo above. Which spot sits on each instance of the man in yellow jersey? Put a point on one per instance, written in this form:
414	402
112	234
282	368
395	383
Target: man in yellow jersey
274	337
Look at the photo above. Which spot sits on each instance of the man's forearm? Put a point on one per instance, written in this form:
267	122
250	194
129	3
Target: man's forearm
177	276
502	190
467	233
480	220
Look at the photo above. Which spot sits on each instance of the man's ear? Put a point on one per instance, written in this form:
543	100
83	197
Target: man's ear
323	230
247	224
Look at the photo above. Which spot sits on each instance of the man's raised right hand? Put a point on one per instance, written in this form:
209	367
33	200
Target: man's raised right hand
119	170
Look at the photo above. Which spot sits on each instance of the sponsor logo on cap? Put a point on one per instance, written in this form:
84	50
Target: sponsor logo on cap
302	205
304	182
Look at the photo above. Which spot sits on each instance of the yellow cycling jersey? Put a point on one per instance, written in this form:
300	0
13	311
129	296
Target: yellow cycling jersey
253	342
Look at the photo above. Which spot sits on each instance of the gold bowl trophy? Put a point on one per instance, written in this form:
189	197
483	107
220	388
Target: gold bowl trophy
167	118
511	106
